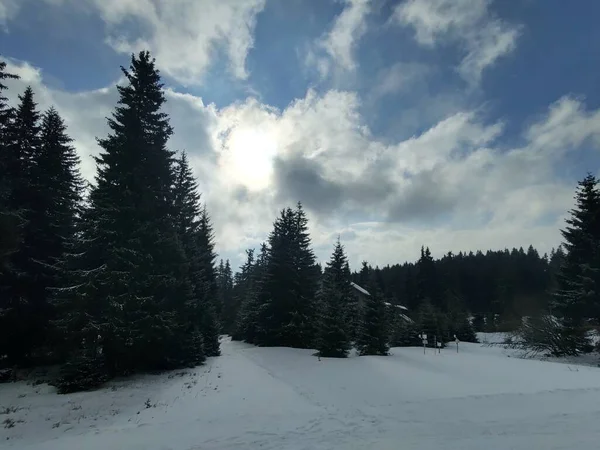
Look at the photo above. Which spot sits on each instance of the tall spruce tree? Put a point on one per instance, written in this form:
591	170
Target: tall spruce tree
248	292
364	276
308	275
10	219
276	295
578	295
211	327
22	304
226	299
245	295
53	218
335	327
7	114
428	282
187	219
288	306
131	292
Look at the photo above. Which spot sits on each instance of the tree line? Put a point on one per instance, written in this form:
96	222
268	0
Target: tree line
284	298
120	276
112	278
497	287
549	303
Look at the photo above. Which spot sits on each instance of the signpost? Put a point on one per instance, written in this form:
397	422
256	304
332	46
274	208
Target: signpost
424	339
439	346
457	341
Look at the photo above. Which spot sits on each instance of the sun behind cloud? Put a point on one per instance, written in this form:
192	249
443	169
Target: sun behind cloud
248	156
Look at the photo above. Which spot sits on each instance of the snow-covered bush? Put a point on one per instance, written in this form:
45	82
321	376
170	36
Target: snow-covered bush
548	336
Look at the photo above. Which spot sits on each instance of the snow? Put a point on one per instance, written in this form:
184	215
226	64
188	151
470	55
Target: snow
404	308
359	288
492	338
281	398
406	318
365	292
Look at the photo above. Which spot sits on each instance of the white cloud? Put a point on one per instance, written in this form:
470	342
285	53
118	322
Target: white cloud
184	35
335	49
347	29
433	19
469	22
567	125
399	77
8	10
385	199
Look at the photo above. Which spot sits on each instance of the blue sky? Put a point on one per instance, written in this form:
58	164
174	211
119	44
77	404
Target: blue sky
459	124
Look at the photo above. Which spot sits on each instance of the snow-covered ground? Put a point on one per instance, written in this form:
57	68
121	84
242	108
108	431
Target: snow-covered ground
279	398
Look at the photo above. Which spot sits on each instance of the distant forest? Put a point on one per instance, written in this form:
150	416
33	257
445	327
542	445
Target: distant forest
498	287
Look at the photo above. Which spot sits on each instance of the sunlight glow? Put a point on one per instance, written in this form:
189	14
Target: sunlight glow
249	157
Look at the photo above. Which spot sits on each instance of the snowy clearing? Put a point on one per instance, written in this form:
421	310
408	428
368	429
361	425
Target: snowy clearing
281	398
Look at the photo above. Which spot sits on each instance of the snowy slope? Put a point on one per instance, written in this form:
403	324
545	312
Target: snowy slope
279	398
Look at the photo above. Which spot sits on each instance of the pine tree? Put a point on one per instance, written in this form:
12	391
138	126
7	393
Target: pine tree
187	220
556	261
241	288
353	314
287	297
275	298
10	219
211	327
248	287
226	299
246	295
335	328
428	283
21	304
52	220
7	116
578	295
374	330
130	291
364	276
308	275
6	112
